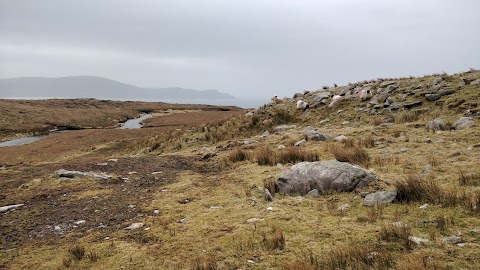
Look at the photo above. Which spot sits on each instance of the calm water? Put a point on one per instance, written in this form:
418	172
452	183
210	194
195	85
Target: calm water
22	141
135	123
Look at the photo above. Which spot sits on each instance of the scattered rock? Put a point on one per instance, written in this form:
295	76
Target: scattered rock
313	135
299	143
463	123
281	146
183	220
340	138
113	160
216	207
423	206
268	195
269	208
401	150
380	197
253	220
452	240
77	174
79	222
9	207
248	142
324	121
399	224
418	241
102	164
433	97
436	124
329	175
284	128
343	207
156	212
412	104
314	193
265	134
134	226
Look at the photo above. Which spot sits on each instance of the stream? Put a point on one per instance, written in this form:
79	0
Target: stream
129	124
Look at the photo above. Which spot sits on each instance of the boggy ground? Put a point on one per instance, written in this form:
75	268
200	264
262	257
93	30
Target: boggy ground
206	182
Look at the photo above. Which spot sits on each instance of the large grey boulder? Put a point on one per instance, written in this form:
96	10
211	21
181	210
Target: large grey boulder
463	123
319	96
77	174
380	197
436	124
325	176
313	135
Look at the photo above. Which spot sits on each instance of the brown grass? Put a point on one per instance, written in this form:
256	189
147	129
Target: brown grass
271	185
399	234
418	189
238	155
273	239
377	120
469	179
266	156
408	116
204	263
356	154
77	251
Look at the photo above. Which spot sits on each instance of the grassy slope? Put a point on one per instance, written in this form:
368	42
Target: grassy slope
313	228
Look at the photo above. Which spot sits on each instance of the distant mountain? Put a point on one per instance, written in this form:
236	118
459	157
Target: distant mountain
95	87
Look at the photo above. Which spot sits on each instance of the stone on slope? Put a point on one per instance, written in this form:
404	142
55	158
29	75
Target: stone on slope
436	124
284	128
77	174
380	197
134	226
433	97
325	176
9	207
463	123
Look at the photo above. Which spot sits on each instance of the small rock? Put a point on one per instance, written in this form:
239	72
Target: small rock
134	226
463	123
268	195
299	143
248	142
340	138
412	104
423	206
183	220
281	146
418	241
433	97
156	212
216	207
452	240
250	261
427	169
113	160
269	208
79	222
399	224
343	207
324	121
154	173
402	150
57	228
284	128
253	220
265	134
314	193
380	197
9	207
102	164
436	124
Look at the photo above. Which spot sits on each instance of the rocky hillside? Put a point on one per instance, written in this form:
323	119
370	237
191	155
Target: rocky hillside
379	174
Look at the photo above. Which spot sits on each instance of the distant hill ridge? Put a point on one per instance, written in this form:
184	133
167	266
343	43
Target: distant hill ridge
95	87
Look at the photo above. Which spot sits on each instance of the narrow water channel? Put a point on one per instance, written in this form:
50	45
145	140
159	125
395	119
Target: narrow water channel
129	124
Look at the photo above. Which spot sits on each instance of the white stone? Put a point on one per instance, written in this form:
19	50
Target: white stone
269	208
8	207
79	222
418	241
423	206
253	220
156	212
135	226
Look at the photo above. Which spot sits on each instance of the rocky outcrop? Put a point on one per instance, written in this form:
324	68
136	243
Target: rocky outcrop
325	176
463	123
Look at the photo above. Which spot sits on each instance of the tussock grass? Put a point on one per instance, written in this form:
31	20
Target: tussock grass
408	116
267	156
469	179
377	120
401	234
204	263
271	185
273	239
356	154
418	189
347	256
238	155
77	251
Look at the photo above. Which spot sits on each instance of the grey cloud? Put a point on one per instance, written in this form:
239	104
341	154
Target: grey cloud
246	48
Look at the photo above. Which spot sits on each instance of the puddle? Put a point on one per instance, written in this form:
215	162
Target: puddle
135	123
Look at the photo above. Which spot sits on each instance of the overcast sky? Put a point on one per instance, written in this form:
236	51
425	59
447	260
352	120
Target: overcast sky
249	48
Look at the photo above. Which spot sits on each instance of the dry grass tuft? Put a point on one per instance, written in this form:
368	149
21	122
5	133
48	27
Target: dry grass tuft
77	251
267	156
408	116
204	263
400	234
377	120
271	185
418	189
469	179
238	155
356	154
273	239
